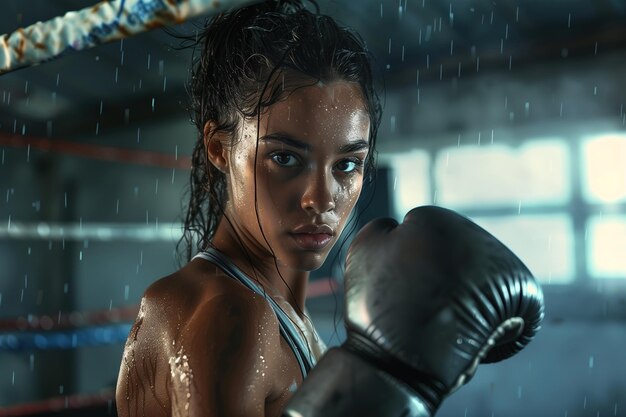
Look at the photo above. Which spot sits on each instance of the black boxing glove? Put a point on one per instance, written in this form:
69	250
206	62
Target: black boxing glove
427	300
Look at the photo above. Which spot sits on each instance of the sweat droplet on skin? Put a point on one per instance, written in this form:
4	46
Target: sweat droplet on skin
181	371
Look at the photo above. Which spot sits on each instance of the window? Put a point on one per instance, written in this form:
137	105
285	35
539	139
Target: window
498	175
410	183
606	246
558	203
603	184
520	194
543	242
604	168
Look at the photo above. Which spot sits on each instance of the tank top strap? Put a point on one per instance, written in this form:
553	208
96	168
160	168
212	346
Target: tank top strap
288	330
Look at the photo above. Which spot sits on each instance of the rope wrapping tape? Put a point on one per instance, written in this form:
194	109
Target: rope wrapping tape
91	336
104	22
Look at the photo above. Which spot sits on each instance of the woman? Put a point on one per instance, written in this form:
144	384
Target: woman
287	117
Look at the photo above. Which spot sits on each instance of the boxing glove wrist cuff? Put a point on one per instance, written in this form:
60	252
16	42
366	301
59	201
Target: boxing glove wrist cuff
427	388
344	384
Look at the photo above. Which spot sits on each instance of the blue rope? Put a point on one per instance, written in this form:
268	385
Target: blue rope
69	339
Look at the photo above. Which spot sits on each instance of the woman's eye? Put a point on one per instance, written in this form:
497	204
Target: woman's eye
349	165
285	159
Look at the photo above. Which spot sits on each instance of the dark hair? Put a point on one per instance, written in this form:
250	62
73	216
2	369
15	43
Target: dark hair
241	51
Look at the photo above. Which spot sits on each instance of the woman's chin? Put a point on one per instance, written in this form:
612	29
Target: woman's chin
308	261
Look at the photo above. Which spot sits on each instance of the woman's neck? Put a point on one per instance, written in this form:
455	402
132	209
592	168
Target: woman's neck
260	265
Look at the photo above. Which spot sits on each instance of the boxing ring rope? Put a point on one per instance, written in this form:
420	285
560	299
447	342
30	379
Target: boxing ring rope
104	22
110	326
77	330
63	321
94	231
95	328
66	330
104	398
102	232
69	339
99	152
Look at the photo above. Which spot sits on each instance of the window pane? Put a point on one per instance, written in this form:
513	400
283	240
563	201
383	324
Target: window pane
543	242
604	168
606	246
410	181
498	175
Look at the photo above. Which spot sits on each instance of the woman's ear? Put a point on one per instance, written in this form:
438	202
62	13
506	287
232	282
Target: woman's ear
215	146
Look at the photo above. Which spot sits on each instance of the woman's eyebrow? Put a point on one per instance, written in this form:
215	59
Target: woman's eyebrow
289	140
357	145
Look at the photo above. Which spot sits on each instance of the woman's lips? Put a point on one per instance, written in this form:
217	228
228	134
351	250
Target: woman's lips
312	241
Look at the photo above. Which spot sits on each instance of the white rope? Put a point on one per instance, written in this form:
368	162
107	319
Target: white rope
143	232
104	22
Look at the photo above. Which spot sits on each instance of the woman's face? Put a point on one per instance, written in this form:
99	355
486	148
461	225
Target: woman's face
309	172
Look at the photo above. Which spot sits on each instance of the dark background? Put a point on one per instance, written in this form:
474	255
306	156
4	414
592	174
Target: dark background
510	112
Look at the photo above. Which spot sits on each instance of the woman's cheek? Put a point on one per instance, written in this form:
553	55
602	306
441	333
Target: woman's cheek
353	188
276	196
348	195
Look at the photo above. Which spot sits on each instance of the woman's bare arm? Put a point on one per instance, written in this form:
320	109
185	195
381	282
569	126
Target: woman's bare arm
223	364
220	363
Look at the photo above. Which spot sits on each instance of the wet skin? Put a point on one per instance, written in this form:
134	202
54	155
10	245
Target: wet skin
203	344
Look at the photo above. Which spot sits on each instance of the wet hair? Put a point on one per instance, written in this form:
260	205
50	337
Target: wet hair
244	57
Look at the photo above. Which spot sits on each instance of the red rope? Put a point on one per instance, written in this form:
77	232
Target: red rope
66	402
105	153
61	321
70	320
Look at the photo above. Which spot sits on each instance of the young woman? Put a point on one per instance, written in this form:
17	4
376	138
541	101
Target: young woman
287	116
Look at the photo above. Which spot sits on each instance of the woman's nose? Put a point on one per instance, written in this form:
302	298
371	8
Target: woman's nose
318	195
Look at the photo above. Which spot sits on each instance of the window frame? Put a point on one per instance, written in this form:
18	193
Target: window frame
576	208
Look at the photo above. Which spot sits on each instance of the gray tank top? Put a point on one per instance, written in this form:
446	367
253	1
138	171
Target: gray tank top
288	330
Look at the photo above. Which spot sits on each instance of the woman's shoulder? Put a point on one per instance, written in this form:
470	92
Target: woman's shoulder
199	318
195	282
200	288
